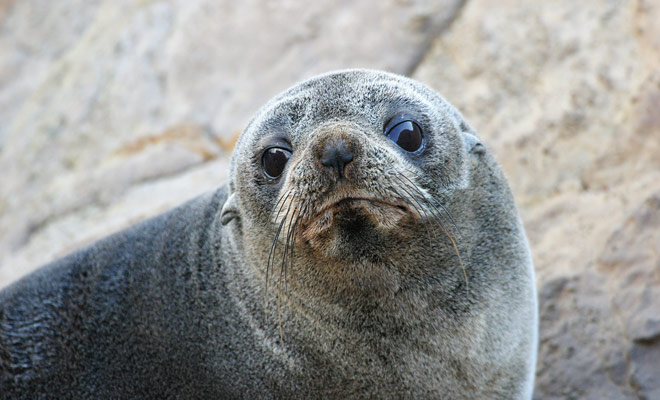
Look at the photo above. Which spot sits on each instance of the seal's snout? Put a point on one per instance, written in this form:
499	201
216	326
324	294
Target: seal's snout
336	154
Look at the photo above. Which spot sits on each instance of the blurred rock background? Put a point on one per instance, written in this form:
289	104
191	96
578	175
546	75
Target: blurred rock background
112	111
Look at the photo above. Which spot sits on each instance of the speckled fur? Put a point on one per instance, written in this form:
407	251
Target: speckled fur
177	306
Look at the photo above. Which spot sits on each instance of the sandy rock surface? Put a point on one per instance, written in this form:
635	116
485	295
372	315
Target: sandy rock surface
113	111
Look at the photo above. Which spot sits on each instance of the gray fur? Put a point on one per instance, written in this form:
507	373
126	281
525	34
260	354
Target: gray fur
178	306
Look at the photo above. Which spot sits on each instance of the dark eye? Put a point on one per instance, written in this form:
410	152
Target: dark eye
407	135
274	160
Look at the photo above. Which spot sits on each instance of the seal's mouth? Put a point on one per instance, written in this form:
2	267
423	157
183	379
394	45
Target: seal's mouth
357	203
354	214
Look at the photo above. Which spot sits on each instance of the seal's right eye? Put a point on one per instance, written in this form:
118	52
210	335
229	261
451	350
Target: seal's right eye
274	160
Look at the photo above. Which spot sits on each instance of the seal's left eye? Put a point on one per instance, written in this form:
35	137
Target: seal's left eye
407	135
274	160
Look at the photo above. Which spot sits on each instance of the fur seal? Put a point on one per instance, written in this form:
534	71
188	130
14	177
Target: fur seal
366	246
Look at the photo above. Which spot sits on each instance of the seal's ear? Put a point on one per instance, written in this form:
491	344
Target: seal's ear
229	210
472	144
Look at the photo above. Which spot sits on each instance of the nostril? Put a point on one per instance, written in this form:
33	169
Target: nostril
329	161
336	155
347	157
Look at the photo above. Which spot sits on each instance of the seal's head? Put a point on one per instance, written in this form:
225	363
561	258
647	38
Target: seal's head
346	180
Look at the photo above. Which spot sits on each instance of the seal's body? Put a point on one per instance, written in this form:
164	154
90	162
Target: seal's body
367	246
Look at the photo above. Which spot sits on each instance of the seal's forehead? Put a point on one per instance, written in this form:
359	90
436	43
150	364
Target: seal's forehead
326	84
345	94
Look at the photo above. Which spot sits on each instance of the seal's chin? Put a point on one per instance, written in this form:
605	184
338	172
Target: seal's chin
340	227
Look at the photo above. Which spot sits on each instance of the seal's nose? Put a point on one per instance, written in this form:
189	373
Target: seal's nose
336	155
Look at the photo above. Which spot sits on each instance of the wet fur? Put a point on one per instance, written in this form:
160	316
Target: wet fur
257	291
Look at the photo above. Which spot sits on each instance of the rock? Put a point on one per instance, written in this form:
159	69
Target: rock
632	263
580	341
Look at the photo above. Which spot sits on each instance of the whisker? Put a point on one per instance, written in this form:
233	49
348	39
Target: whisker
433	202
290	230
281	201
300	216
287	255
274	244
409	202
436	213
